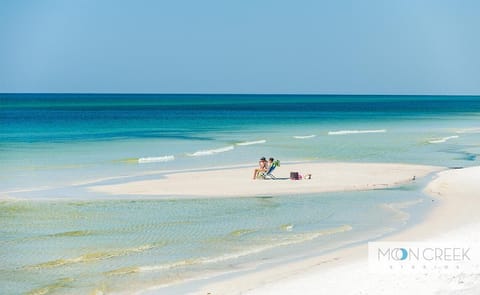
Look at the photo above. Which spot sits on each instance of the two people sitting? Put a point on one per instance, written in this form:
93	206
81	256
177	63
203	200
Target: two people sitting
263	167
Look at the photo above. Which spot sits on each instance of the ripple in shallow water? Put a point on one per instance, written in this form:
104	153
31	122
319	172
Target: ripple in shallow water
92	257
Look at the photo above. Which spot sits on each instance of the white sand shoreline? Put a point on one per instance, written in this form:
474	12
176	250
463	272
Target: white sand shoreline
455	218
238	182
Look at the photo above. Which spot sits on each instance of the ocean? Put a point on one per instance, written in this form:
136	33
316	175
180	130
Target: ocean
57	237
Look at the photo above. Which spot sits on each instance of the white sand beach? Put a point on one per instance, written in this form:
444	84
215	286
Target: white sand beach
346	271
238	182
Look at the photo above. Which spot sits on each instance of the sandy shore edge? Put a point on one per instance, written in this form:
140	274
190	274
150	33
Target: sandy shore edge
455	218
238	182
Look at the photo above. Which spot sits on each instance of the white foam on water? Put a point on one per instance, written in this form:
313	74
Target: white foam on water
251	142
156	159
345	132
442	140
211	152
304	136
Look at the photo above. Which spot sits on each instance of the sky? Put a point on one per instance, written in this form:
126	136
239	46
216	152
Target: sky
240	46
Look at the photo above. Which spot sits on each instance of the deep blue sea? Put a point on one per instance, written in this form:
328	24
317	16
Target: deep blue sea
57	237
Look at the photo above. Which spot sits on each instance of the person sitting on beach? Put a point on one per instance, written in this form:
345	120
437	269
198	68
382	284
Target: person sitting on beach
262	167
270	162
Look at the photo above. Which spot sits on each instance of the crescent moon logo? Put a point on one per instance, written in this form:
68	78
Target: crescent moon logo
399	254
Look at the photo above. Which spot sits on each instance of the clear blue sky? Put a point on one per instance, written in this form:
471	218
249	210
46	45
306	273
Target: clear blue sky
363	47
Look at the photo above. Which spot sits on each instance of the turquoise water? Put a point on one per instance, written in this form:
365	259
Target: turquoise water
51	145
57	140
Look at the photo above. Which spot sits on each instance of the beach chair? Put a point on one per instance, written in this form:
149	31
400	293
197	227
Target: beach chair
269	173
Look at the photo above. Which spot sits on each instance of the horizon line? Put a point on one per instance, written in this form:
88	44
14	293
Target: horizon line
233	94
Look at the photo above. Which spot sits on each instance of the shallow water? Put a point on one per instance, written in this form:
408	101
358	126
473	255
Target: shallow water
82	246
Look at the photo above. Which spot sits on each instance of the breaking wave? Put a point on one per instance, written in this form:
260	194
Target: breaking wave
156	159
304	136
344	132
251	142
441	140
212	152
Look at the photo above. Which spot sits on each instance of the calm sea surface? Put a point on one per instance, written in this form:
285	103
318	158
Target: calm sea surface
77	242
